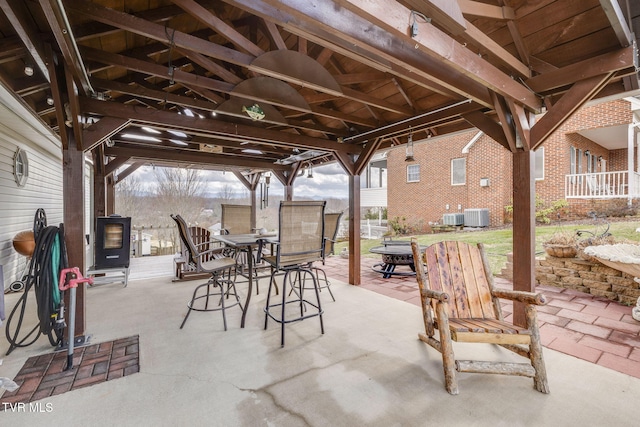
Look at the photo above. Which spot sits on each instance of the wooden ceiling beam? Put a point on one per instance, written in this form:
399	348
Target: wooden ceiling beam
128	171
417	122
447	13
487	125
219	26
273	33
115	163
200	46
62	32
207	127
393	18
25	28
482	10
397	57
103	129
158	153
581	92
622	59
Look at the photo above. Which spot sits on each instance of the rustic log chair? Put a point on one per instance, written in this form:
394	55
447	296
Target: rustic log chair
458	286
216	265
300	243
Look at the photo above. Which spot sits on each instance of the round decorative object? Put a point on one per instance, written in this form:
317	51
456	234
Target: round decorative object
24	243
39	221
560	251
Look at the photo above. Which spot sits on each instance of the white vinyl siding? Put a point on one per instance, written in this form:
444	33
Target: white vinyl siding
43	189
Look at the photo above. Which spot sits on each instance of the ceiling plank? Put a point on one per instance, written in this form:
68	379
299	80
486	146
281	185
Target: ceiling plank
618	22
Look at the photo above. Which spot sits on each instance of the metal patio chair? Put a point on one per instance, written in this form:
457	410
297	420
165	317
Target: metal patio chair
299	245
214	262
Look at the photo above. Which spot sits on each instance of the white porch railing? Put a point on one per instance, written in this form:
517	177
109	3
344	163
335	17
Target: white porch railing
602	185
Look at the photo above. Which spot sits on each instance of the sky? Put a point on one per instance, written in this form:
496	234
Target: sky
328	181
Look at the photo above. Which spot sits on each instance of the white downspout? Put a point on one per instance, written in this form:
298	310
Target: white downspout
630	161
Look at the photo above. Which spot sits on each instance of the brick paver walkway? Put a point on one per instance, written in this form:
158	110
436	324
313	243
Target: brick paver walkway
44	375
582	325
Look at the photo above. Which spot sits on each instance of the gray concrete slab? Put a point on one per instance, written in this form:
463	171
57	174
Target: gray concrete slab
368	368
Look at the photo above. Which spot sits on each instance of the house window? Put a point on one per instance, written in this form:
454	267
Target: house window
458	171
576	161
21	167
413	173
539	163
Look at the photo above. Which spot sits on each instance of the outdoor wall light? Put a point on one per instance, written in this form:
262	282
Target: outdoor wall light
409	150
586	153
600	158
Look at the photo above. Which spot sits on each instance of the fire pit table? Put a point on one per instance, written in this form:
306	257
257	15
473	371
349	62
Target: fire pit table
393	255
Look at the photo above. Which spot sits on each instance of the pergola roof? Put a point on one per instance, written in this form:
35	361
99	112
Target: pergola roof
334	80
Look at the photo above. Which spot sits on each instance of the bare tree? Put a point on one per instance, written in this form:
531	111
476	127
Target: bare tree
226	193
179	191
129	195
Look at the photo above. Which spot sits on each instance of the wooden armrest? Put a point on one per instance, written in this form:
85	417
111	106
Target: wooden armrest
521	296
438	295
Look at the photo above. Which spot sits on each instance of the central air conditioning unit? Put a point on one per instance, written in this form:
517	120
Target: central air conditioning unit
476	217
453	219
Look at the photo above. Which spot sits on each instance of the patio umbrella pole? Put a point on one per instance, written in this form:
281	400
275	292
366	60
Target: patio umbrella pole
69	279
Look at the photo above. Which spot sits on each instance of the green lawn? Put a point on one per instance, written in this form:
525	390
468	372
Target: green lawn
499	242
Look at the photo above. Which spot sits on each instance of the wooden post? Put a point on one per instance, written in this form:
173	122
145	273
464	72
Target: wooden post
523	229
110	189
354	230
73	199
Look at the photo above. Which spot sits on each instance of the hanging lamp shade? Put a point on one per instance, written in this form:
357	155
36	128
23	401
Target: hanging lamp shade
409	150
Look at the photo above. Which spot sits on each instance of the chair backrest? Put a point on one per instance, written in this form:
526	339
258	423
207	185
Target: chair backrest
201	237
236	219
461	270
331	226
185	237
301	232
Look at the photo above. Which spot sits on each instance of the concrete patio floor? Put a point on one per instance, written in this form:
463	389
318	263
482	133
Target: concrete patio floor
367	369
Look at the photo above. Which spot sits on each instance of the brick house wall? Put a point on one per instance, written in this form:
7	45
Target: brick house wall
418	203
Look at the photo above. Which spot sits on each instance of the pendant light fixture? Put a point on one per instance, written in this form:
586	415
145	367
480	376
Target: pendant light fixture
409	152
